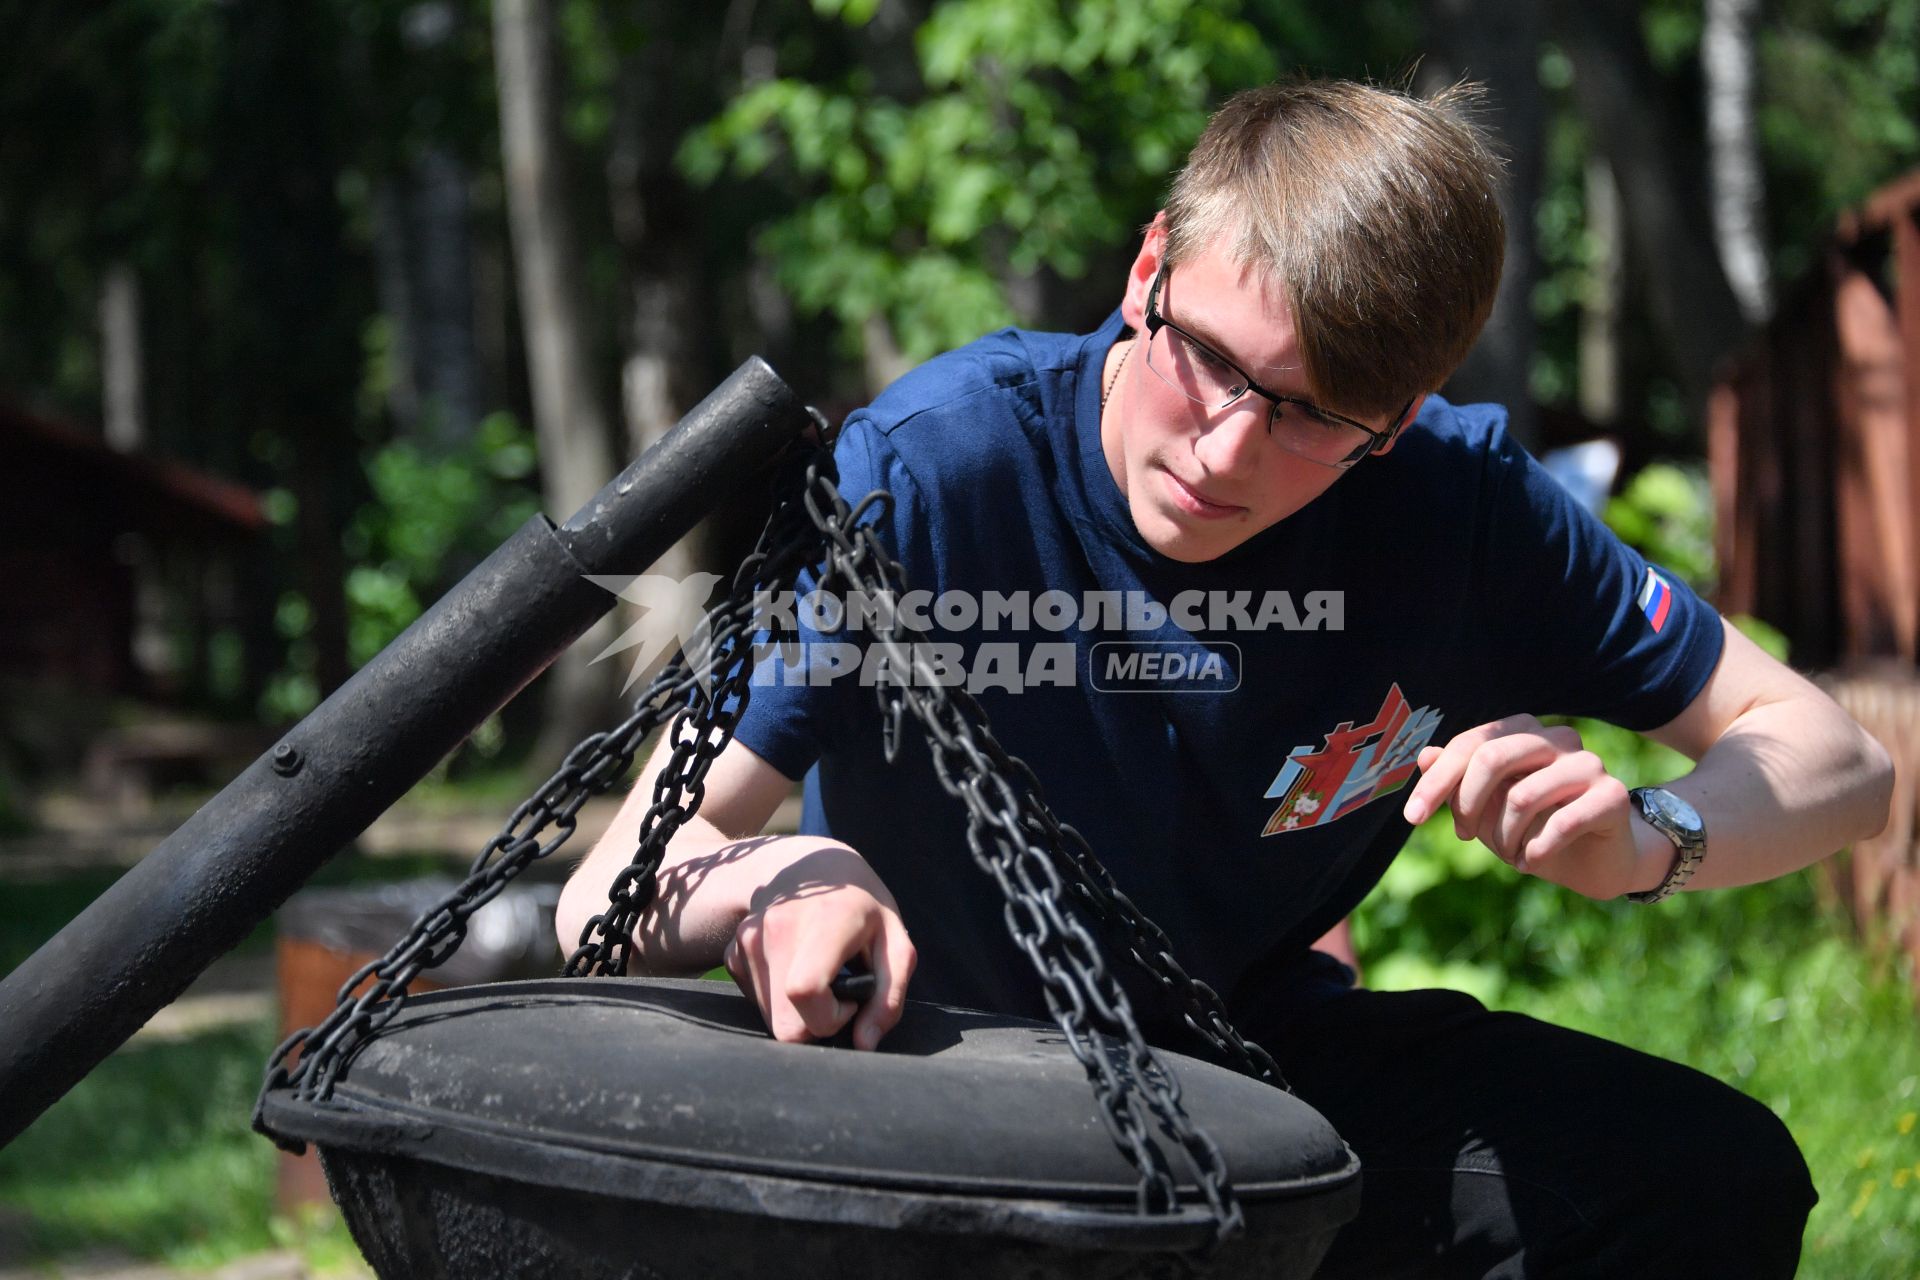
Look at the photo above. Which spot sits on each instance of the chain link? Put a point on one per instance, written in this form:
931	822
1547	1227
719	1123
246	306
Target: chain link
1045	870
1035	859
702	694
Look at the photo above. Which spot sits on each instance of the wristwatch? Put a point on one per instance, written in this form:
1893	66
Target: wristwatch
1679	822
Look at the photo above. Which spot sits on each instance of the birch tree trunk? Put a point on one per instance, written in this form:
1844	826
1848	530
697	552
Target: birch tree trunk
569	422
122	359
1659	169
1733	150
1600	309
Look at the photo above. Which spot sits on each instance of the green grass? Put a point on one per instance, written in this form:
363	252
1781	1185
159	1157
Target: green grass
1801	1020
152	1155
1758	987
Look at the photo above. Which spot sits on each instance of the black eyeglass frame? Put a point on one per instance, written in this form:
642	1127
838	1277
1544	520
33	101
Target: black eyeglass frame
1376	440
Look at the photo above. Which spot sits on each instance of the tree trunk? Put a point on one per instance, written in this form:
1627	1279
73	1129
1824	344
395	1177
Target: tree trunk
1600	309
885	363
446	357
122	358
655	226
294	358
575	458
1497	42
1659	167
1733	146
660	90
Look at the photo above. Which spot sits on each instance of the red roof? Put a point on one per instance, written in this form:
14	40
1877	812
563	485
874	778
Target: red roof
79	469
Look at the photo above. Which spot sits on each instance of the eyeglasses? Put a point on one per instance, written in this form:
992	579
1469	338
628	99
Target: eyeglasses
1206	377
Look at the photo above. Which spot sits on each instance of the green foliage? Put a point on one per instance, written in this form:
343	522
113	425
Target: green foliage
104	132
429	519
1672	29
1666	513
1566	254
1840	94
1756	988
152	1154
1044	133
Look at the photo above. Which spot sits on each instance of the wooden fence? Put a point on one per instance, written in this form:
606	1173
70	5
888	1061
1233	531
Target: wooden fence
1814	450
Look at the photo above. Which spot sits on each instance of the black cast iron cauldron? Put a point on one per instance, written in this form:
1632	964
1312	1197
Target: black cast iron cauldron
616	1127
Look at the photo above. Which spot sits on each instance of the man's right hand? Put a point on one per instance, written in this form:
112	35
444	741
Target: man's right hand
783	912
820	911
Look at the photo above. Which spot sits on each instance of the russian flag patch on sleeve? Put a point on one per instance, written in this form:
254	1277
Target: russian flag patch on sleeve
1655	599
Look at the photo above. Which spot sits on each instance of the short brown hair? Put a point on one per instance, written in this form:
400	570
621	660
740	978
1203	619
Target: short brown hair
1376	211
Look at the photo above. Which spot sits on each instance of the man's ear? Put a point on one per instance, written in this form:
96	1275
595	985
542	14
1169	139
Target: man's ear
1146	265
1406	420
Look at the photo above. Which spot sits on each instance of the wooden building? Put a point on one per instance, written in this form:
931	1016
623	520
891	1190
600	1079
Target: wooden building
85	530
1814	449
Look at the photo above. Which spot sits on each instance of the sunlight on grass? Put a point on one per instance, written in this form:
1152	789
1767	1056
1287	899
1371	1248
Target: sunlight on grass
1756	987
153	1156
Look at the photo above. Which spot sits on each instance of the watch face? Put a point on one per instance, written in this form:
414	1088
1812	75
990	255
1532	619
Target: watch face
1675	810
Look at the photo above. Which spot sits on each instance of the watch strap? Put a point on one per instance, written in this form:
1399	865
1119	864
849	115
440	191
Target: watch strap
1689	849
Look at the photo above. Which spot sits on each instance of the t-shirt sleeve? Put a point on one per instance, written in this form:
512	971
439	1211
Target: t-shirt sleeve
795	714
1577	622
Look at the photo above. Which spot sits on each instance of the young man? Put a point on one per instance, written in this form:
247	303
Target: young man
1365	585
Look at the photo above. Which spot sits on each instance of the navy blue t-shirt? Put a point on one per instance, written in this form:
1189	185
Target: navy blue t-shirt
1239	759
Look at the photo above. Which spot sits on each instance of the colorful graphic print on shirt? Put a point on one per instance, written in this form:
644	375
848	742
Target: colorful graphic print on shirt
1354	765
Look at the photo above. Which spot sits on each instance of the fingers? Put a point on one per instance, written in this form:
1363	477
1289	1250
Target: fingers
1596	809
1530	800
815	947
1494	767
1467	772
892	959
1533	795
786	960
1441	771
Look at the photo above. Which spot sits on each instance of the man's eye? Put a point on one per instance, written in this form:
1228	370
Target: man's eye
1220	371
1311	418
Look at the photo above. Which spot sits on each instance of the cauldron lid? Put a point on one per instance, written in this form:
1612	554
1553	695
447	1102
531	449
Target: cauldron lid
672	1090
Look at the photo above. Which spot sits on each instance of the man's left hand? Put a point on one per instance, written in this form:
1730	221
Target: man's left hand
1544	804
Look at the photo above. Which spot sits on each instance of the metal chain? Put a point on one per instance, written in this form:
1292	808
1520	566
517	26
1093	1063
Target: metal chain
1014	837
700	729
1039	863
704	728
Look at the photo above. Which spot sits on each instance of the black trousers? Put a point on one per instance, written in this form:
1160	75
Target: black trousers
1496	1145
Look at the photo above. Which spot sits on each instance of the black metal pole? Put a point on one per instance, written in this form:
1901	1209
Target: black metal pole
200	892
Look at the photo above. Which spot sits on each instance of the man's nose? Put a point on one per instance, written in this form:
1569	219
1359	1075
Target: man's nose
1231	439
